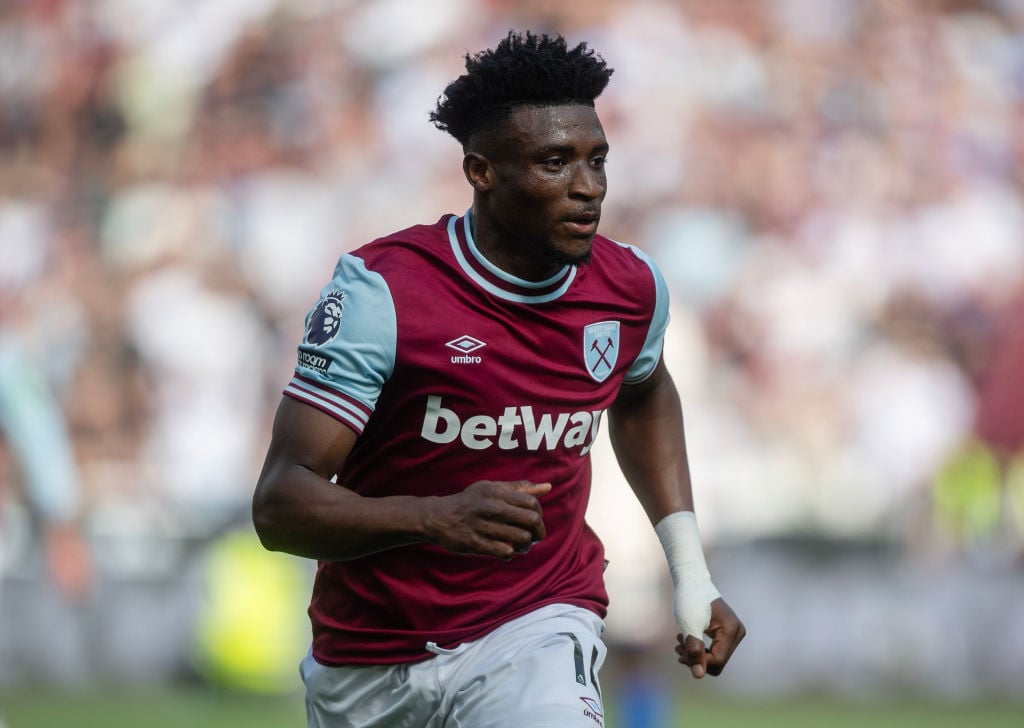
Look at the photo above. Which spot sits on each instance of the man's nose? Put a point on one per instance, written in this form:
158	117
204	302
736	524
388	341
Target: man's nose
587	182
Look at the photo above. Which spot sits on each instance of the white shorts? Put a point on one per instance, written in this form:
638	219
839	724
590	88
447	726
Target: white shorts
539	670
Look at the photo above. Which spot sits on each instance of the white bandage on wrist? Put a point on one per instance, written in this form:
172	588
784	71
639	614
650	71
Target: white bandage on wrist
691	580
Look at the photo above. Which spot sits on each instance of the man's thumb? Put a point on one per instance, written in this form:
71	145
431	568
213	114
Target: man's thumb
525	486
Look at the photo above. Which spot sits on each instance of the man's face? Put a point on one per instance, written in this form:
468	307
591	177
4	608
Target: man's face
549	182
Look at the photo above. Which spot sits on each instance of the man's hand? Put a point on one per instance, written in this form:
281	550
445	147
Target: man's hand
491	518
725	630
68	560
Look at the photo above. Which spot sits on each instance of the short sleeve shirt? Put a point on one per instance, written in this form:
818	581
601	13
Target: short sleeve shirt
452	371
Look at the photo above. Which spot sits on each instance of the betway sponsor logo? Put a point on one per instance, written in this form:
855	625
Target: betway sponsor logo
514	428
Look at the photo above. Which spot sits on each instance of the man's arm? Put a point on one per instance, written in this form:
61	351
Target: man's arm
296	508
646	430
36	428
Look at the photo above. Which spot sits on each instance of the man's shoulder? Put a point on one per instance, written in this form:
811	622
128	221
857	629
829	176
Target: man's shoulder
406	244
622	258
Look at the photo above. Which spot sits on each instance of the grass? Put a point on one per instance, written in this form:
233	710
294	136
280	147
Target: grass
824	713
199	707
177	707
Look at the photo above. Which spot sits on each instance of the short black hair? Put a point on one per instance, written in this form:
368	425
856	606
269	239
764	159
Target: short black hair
522	70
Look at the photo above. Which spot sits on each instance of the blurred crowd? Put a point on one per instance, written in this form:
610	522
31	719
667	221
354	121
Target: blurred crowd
832	187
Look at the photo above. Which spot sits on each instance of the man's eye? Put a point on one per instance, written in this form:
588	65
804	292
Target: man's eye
554	163
598	162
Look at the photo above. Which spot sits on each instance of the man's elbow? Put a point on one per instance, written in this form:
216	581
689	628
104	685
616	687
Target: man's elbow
266	522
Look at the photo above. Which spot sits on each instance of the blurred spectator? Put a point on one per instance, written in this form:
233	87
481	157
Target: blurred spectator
998	444
1000	421
38	457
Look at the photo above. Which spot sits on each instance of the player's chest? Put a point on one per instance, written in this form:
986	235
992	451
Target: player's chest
572	353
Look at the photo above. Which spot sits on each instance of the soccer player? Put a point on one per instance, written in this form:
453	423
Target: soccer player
451	381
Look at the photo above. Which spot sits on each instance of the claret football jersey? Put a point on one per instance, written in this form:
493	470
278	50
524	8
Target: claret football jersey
453	371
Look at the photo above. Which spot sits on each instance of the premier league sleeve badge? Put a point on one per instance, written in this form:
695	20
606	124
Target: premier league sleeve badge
325	319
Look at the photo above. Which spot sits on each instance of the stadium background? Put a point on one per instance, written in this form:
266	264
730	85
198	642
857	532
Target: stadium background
832	187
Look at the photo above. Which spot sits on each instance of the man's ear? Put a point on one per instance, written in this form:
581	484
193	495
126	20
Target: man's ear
478	171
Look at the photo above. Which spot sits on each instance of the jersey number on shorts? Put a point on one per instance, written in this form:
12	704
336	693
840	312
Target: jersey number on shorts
577	655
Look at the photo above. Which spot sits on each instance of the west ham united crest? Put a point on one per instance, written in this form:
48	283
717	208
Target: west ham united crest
325	320
601	348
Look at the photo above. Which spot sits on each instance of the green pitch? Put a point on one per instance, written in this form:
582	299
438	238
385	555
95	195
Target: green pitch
198	707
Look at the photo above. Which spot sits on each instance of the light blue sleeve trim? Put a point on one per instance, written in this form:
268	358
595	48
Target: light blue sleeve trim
355	356
643	366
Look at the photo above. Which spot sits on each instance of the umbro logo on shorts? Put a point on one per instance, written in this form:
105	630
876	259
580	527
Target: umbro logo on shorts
593	710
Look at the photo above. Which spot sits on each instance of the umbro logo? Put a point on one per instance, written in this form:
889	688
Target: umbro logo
593	710
465	345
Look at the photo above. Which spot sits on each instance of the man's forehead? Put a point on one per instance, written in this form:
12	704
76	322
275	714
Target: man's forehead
555	124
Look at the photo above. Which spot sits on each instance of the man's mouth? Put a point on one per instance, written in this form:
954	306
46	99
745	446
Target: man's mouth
585	224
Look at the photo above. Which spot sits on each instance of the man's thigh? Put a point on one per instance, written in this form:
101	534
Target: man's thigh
542	674
392	696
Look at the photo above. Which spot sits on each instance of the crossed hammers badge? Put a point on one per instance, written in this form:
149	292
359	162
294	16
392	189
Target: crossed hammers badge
600	348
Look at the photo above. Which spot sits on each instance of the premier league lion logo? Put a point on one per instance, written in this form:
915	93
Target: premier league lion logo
325	320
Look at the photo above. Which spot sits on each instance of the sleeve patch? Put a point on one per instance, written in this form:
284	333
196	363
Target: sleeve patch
325	322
